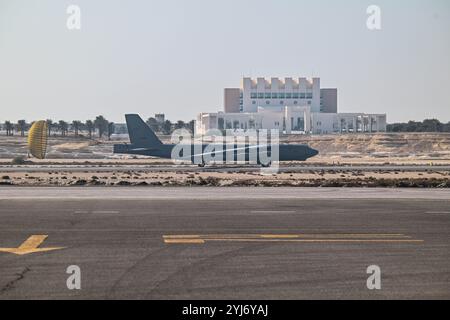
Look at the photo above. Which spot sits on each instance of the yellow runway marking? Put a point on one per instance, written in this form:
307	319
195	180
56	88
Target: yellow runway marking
184	241
30	246
283	236
316	240
287	236
182	237
306	238
330	236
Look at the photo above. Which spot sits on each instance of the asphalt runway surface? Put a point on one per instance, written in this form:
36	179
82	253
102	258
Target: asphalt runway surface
224	243
230	169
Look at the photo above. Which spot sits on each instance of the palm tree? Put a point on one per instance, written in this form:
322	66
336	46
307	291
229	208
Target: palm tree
89	126
63	126
21	126
154	124
167	127
110	129
9	128
76	125
49	126
180	124
101	124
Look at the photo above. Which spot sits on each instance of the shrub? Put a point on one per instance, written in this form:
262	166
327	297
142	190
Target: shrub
18	160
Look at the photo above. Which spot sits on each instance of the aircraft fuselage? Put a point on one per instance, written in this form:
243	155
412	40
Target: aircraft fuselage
199	154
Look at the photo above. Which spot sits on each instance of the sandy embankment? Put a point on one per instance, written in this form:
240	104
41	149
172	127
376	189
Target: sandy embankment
374	149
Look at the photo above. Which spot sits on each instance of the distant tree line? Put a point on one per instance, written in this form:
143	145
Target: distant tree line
99	127
166	127
429	125
20	127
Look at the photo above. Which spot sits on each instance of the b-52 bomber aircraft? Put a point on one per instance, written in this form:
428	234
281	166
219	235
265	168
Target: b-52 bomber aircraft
143	141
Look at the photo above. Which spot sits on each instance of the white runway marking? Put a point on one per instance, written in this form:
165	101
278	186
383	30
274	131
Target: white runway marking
105	211
437	212
272	211
97	211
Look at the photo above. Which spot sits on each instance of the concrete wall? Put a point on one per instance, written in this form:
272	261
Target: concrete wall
328	102
324	123
231	100
271	118
205	122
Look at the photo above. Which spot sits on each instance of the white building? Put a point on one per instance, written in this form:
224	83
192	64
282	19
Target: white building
292	106
291	120
326	123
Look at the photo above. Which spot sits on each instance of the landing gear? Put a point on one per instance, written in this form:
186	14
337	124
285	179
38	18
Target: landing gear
201	165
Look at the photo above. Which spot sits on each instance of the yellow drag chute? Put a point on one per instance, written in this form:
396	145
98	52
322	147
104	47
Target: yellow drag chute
37	139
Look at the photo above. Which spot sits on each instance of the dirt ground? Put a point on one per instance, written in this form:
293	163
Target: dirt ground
434	179
354	149
380	148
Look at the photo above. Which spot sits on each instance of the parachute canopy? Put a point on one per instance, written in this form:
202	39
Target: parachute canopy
37	139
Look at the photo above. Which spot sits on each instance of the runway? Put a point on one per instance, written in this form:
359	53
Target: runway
230	169
224	243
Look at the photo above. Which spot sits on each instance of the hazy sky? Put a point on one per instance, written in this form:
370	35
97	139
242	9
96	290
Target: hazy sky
176	56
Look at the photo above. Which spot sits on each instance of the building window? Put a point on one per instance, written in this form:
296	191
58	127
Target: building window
274	95
267	102
281	102
281	95
295	102
309	102
295	95
253	95
302	95
268	95
221	123
309	95
288	95
260	95
300	124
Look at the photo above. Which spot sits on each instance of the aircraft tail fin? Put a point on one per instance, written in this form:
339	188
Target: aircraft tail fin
140	133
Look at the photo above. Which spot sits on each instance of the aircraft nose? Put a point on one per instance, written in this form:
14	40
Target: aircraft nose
313	152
